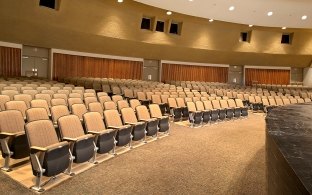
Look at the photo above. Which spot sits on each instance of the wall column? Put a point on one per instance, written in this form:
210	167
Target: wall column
307	76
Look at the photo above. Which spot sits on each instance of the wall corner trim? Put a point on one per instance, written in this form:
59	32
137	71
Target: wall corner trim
13	45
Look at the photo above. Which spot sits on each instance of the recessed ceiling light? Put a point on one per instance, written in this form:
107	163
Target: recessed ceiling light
231	8
120	1
190	0
270	13
169	13
250	25
210	20
304	17
284	28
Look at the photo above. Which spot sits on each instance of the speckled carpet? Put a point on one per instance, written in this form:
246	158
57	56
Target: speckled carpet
225	158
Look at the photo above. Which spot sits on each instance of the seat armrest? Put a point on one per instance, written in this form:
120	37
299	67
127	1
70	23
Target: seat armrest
57	145
113	127
131	123
5	135
70	139
95	132
35	149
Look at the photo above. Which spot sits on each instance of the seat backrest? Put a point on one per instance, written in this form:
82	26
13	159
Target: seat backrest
10	93
293	101
200	105
155	110
17	105
191	106
34	114
3	100
79	110
156	99
78	91
265	102
134	103
89	100
104	99
60	96
128	115
272	101
50	92
239	103
90	91
112	118
41	133
96	107
23	97
11	121
59	111
216	104
63	91
116	98
286	101
40	104
141	95
55	89
224	104
75	95
31	92
93	121
122	104
300	100
231	103
208	105
279	102
142	112
100	94
164	98
307	100
72	101
172	103
46	97
57	102
85	95
180	102
110	105
70	126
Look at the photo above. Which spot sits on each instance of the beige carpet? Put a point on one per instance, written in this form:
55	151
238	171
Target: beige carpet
225	158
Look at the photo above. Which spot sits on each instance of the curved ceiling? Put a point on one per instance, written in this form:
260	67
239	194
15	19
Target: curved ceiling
286	13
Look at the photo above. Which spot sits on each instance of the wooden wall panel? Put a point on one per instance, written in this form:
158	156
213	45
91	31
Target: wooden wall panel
179	72
267	76
65	65
10	61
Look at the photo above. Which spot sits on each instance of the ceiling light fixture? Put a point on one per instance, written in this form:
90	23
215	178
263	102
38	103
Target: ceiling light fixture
210	20
169	13
120	1
270	13
190	0
231	8
304	17
250	25
284	28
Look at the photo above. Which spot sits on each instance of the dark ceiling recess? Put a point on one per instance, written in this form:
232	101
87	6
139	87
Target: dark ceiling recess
174	28
287	38
48	3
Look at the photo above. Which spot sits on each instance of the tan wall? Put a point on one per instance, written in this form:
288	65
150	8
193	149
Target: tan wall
107	27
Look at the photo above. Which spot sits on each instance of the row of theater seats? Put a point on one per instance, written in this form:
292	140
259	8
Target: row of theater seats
205	111
63	128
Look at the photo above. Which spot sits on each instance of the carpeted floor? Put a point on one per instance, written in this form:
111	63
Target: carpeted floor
227	158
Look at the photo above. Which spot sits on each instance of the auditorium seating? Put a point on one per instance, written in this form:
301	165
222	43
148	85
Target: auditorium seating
49	157
137	102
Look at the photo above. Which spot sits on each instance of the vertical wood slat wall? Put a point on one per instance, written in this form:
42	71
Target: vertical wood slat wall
65	65
10	61
267	76
178	72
